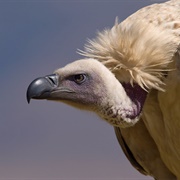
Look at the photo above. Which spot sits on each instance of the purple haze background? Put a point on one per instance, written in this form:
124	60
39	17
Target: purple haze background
49	140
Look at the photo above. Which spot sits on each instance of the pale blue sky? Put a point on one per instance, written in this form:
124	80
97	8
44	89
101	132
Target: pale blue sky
48	139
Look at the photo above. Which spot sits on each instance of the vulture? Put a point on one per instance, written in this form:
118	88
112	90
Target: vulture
129	75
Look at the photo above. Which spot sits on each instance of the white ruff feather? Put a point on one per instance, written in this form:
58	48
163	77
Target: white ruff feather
136	52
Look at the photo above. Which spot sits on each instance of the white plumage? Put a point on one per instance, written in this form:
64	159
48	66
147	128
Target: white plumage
131	78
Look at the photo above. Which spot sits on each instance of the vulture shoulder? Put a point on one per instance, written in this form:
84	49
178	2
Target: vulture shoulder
142	152
145	49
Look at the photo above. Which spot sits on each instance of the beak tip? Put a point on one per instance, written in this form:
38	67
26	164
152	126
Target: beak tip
28	98
31	91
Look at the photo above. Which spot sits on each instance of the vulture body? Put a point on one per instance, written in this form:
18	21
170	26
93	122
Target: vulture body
130	77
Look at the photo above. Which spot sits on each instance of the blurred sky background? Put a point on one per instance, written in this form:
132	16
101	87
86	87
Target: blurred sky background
49	140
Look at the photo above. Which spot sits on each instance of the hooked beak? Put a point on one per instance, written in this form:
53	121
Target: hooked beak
41	88
49	88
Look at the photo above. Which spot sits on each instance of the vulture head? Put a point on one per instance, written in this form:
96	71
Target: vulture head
88	84
120	68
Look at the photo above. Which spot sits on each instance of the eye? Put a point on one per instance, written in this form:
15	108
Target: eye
79	78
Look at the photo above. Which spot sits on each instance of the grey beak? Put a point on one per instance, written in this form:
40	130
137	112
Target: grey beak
42	87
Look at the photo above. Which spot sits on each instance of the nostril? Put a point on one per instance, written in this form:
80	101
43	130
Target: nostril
53	79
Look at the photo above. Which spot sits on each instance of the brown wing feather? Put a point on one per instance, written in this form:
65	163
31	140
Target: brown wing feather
128	152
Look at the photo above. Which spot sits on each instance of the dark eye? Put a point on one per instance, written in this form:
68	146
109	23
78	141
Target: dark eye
79	78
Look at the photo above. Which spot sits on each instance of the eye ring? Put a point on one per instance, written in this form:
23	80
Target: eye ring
79	78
